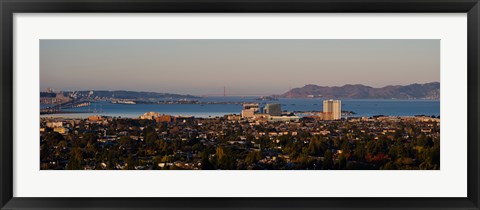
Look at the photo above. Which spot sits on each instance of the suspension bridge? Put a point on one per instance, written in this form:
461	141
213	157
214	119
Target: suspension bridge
235	93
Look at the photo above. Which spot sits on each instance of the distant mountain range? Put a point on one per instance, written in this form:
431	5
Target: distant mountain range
135	94
413	91
119	94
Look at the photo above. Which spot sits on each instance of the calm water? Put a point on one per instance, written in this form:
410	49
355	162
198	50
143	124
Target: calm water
364	107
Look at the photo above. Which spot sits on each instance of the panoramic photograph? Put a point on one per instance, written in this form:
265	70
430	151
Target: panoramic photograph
239	104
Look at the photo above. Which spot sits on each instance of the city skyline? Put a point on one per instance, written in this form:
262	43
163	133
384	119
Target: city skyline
248	67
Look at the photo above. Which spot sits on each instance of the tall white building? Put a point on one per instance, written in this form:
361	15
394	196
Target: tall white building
334	107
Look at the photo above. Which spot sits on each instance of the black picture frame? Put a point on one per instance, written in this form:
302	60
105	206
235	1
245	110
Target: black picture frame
9	7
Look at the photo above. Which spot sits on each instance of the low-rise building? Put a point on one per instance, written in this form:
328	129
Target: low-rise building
54	124
164	118
150	115
60	130
233	117
284	118
95	118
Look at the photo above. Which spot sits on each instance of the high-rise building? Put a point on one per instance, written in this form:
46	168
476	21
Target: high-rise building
254	106
273	109
326	116
334	107
249	110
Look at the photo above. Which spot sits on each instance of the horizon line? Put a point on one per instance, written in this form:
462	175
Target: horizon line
221	94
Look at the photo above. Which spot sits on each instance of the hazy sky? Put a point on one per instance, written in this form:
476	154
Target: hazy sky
245	67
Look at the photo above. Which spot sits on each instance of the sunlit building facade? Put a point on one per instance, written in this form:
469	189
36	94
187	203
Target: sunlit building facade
249	110
334	107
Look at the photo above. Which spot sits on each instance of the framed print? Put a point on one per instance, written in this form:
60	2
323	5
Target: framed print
239	105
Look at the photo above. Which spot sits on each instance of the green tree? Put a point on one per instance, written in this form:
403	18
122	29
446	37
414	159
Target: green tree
253	157
342	162
328	160
206	164
130	162
75	160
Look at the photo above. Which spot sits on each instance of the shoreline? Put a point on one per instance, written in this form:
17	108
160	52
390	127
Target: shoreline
312	107
223	116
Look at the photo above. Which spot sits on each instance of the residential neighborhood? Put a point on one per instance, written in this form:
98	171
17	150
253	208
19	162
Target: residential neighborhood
158	141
